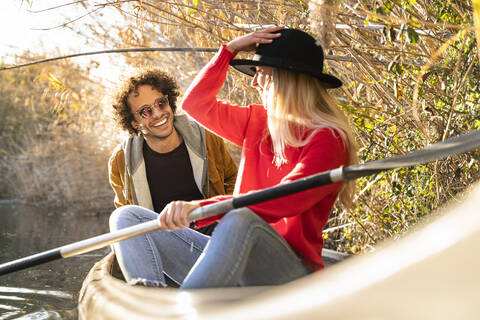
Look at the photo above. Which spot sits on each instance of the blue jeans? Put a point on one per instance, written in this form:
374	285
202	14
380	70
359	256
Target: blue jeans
243	251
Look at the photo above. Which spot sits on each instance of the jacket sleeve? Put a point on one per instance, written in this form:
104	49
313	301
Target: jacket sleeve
230	171
116	169
229	167
222	169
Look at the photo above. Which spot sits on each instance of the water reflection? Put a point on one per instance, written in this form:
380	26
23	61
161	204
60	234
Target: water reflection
49	291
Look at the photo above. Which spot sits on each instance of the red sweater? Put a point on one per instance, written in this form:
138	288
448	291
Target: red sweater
300	217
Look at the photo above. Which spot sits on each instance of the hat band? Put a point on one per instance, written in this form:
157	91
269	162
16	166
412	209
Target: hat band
284	63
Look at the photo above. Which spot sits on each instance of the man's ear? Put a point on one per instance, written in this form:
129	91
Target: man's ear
135	124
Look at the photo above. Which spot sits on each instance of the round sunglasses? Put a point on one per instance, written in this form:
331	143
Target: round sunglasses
147	111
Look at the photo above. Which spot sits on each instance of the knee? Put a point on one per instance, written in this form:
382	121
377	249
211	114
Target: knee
118	217
241	218
128	215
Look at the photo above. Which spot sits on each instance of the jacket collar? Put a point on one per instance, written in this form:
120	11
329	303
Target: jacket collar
135	172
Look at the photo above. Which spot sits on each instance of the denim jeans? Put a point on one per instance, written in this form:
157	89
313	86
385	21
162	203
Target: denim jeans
244	250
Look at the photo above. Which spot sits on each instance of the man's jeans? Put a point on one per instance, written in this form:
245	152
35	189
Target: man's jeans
243	251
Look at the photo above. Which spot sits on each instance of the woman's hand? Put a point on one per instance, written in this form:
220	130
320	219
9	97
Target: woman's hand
175	215
249	42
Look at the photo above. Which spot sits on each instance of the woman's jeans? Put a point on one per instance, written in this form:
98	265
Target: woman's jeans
243	251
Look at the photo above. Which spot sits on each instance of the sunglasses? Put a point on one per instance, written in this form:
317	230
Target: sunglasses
147	111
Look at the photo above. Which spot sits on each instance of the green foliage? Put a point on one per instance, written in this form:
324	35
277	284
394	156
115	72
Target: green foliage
428	90
412	35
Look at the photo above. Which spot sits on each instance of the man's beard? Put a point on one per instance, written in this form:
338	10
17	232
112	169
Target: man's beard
164	136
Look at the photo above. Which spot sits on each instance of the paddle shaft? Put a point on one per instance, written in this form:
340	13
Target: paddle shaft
437	151
79	247
286	189
106	239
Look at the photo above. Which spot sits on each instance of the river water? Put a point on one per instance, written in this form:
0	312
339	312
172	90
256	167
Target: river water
48	291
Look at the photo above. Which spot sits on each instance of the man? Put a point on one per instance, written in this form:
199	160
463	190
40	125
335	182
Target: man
167	156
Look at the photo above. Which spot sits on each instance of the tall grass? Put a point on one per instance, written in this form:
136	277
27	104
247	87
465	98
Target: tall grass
55	138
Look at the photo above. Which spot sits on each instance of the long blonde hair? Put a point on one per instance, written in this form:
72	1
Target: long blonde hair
298	104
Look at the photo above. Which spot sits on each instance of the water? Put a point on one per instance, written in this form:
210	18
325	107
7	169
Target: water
48	291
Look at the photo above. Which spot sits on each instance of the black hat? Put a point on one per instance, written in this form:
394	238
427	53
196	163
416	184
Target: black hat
295	50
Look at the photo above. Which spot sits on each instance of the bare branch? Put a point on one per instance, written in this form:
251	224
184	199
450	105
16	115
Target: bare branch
57	7
170	49
68	22
108	51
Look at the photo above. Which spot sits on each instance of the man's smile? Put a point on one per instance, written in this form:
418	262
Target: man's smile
161	122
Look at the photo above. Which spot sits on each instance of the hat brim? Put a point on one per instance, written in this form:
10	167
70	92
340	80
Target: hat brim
248	67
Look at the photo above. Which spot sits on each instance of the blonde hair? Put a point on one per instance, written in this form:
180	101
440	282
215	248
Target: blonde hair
298	107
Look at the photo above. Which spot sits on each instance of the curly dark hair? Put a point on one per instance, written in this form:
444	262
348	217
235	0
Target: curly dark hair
158	79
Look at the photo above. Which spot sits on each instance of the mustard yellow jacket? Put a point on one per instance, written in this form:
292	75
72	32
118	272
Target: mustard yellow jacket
214	170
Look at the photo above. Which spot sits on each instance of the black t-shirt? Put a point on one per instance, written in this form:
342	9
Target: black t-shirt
170	177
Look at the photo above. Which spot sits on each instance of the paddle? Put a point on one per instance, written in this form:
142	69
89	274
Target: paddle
456	145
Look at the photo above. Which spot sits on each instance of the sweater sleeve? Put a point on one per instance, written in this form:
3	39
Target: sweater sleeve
200	101
205	202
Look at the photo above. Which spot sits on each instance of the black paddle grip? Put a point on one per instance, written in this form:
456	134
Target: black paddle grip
30	261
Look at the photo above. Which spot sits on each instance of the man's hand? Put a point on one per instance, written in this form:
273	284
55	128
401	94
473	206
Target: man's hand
249	42
175	215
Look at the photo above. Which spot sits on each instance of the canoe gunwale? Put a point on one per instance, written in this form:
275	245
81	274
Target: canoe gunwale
107	297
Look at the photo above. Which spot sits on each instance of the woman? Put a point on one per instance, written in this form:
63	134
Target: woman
297	132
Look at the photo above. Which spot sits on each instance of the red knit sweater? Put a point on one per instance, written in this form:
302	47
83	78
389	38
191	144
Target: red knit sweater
300	217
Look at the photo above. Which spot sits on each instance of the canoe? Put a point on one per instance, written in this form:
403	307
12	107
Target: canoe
431	273
105	295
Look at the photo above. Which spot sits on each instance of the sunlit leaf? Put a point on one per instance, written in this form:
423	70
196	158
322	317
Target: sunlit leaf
412	35
54	80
